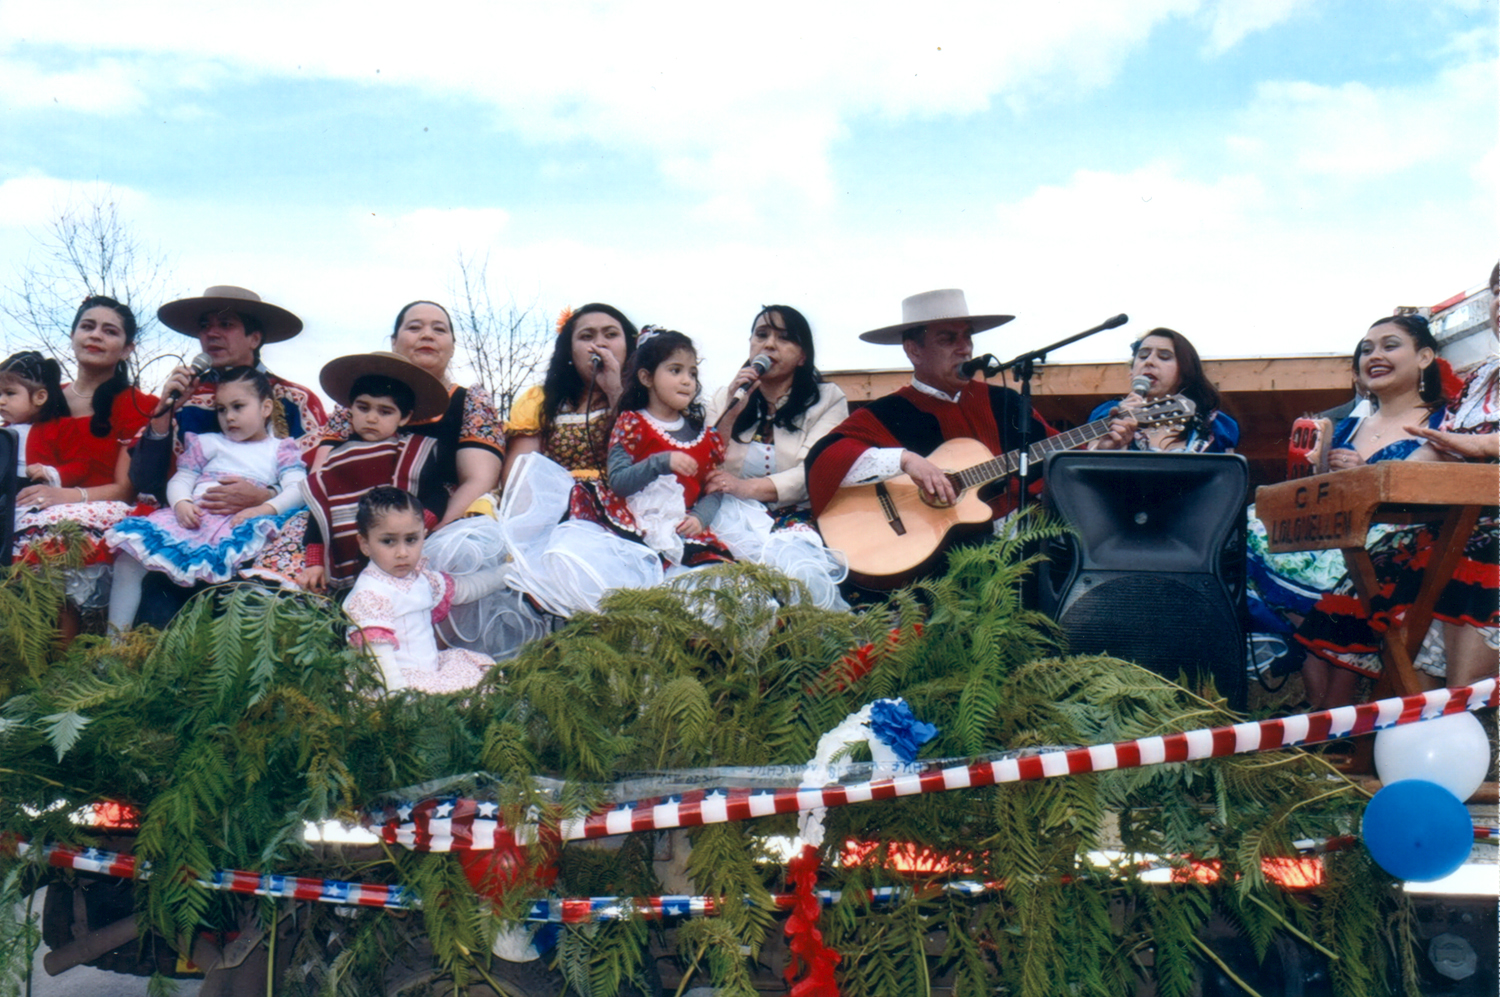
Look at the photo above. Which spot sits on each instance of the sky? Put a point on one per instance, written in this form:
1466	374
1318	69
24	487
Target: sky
1265	176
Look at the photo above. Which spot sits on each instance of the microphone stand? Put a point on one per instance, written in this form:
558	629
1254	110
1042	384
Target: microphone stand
1023	368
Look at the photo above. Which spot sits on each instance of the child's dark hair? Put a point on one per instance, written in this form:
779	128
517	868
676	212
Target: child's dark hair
379	502
34	372
651	351
247	375
381	386
105	394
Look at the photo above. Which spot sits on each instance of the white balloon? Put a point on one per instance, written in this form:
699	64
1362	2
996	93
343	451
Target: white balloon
1452	751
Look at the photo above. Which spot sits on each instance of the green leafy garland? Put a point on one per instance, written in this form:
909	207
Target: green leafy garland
251	716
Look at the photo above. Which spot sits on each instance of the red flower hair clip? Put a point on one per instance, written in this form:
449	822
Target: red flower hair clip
1453	385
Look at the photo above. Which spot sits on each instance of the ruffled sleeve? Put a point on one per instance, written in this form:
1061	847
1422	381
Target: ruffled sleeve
289	466
290	474
194	456
526	413
627	434
442	592
1478	408
374	616
1226	432
481	425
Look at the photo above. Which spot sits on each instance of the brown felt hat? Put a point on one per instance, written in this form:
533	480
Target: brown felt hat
277	324
338	377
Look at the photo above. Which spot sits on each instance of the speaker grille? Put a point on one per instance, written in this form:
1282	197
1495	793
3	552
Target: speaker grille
1183	626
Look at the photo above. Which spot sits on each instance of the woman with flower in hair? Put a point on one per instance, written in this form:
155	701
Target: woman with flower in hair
1466	647
565	417
1411	386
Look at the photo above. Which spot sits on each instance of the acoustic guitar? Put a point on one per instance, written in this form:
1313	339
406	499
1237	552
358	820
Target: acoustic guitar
889	532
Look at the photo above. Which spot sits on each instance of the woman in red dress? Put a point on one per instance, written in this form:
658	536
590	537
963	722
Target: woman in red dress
84	476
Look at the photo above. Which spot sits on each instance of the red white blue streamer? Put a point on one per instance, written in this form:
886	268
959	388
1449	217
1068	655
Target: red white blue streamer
448	823
577	910
329	891
455	823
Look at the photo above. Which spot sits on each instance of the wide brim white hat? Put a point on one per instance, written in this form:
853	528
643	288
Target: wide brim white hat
277	324
933	306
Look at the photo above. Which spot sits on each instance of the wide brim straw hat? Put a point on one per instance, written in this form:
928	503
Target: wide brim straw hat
338	377
277	324
933	306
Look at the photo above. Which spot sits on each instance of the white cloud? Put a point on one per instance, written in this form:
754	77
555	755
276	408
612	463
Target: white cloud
98	86
716	92
1231	21
1359	131
436	230
31	202
1152	203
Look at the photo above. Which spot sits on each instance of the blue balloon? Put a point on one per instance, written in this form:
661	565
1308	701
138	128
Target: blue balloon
1417	830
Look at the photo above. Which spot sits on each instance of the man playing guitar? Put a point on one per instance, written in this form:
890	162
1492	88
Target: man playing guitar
895	434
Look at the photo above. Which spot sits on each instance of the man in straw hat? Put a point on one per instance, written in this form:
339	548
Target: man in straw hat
894	434
231	324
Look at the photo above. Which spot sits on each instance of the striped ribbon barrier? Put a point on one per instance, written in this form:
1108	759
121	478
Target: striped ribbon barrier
443	824
575	910
330	891
446	825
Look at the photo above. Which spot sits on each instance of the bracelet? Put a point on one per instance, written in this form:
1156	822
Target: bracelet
84	492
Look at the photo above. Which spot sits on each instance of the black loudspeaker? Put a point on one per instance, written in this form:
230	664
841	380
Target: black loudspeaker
10	483
1156	573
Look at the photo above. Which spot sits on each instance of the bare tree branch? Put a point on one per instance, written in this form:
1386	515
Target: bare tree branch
508	346
86	249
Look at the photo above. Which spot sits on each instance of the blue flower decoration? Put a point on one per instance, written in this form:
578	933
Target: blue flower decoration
893	722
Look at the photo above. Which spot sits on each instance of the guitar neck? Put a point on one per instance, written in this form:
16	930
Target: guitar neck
1008	463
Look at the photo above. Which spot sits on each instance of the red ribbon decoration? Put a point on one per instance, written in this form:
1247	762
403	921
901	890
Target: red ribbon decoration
804	938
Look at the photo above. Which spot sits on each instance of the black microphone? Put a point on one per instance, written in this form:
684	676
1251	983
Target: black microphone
200	364
761	363
596	361
985	362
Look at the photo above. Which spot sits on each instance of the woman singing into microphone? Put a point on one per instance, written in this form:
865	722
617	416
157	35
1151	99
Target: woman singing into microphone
771	414
1163	363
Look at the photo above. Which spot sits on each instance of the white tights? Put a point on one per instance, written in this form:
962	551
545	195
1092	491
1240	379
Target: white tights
125	592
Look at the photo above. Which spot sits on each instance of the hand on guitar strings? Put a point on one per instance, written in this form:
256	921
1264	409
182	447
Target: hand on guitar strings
1122	425
932	480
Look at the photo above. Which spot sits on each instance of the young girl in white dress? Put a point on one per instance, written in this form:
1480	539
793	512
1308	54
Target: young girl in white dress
188	544
398	600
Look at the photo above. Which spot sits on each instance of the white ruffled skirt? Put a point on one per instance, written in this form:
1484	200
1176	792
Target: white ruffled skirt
566	566
569	565
497	624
